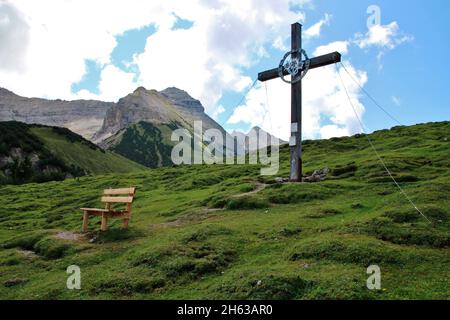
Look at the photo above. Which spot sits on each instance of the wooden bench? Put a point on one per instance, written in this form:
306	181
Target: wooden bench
109	198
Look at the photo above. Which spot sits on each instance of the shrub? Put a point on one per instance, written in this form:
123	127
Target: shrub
216	201
127	286
271	287
50	248
359	252
207	232
387	230
247	187
406	178
114	235
294	197
296	193
192	260
328	212
339	170
25	242
247	203
402	216
290	231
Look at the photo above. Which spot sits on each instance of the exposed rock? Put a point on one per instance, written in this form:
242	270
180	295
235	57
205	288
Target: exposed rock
14	282
28	254
171	105
317	175
5	160
84	117
67	235
357	206
181	98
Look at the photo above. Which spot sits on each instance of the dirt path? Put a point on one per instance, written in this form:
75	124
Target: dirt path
258	187
28	254
71	236
203	214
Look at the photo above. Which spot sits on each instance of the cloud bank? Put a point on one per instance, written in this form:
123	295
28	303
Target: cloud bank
45	46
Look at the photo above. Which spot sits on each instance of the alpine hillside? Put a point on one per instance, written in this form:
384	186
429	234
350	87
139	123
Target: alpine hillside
226	232
38	153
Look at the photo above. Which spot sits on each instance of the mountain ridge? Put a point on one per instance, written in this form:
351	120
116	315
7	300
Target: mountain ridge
38	153
97	120
80	116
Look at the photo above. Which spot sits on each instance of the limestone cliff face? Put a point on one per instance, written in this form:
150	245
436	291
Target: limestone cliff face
171	105
84	117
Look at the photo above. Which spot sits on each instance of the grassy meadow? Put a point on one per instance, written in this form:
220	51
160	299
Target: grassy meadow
226	232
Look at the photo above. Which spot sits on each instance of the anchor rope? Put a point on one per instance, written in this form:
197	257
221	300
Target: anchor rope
375	150
267	109
244	95
370	96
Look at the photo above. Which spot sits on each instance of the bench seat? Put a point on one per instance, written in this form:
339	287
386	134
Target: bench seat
110	197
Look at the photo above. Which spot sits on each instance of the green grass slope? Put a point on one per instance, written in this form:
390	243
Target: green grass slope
145	143
73	149
35	153
225	232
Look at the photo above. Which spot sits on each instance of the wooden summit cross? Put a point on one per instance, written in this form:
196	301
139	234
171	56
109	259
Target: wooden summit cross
297	70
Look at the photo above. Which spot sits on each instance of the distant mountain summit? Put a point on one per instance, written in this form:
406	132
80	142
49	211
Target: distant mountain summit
244	138
182	99
171	105
84	117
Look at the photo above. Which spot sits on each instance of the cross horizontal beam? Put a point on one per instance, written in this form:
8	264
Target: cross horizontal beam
316	62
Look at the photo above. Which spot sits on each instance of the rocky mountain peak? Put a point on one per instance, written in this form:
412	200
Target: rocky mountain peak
6	92
182	98
140	89
174	91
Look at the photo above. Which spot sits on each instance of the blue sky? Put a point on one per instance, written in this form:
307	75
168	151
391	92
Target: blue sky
415	74
214	52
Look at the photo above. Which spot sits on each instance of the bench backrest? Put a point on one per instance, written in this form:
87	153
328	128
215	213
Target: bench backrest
122	195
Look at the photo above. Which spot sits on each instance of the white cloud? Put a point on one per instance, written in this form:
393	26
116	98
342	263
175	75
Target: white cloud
208	58
14	38
205	60
323	97
315	29
63	34
280	44
219	110
114	84
332	130
382	36
340	46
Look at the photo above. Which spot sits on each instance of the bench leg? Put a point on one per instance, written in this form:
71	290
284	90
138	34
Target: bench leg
104	226
85	221
125	223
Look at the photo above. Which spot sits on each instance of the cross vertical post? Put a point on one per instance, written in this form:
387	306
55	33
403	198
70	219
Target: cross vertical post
295	141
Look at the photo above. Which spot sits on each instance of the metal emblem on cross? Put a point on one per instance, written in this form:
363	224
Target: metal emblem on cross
297	69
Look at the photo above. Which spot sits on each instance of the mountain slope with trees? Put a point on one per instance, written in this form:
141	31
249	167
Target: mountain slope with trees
37	153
